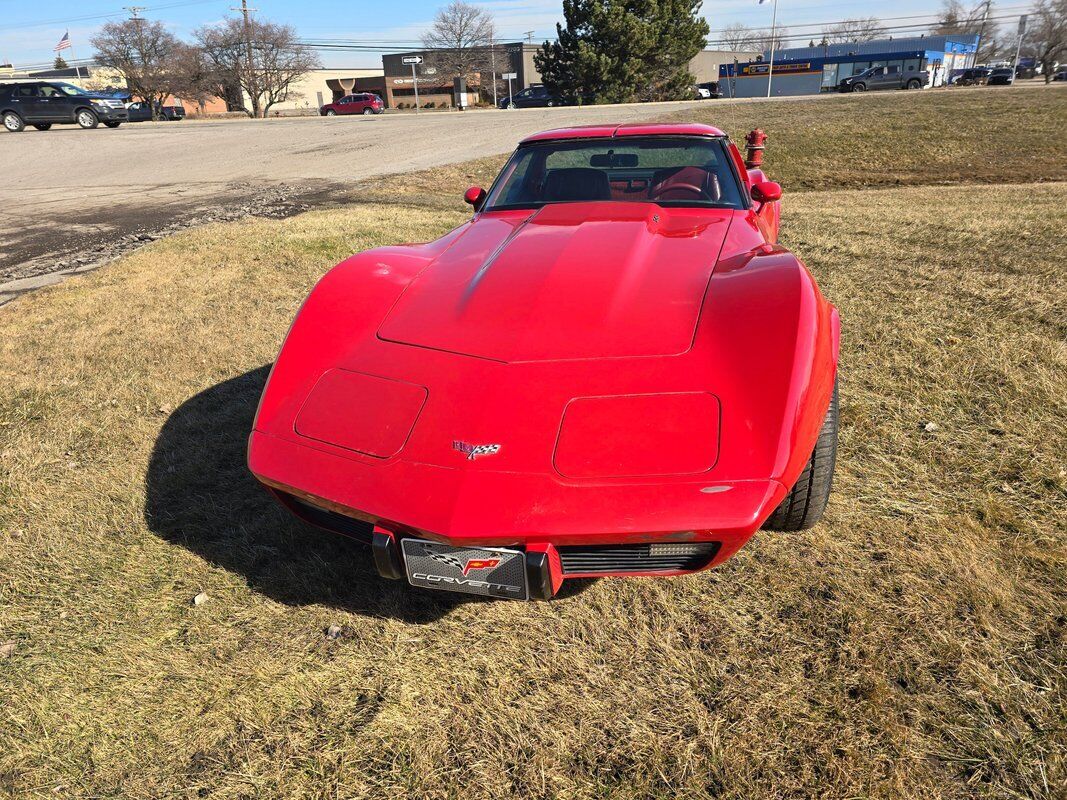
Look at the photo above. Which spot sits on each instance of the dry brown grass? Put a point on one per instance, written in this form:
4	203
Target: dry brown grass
912	645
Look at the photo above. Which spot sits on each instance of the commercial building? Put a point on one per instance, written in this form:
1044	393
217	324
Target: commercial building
810	70
397	87
322	86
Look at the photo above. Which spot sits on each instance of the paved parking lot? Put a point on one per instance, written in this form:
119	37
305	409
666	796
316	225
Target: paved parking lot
70	197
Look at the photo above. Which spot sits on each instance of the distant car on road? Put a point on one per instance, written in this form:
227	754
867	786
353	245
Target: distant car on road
538	97
365	104
976	76
1001	76
531	97
889	77
44	104
713	88
142	112
1060	76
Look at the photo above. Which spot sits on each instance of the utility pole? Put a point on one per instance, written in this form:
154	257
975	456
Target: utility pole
529	36
252	93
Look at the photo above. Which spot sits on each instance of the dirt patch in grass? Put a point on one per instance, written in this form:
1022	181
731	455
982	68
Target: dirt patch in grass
912	645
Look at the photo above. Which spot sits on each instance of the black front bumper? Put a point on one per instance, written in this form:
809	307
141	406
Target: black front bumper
112	114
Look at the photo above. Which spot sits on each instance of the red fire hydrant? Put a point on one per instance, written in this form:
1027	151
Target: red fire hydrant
755	140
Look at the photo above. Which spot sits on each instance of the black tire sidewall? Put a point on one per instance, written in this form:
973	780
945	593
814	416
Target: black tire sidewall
21	122
92	114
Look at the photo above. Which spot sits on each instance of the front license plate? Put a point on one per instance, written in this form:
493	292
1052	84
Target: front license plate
486	571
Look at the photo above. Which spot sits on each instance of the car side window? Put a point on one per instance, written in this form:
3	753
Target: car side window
26	91
51	91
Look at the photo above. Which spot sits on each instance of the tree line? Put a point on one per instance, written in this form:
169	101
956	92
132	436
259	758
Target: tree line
234	60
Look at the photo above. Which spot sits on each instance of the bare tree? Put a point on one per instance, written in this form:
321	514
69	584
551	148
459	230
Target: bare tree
194	77
142	51
780	39
739	37
278	60
854	30
957	18
1046	35
461	42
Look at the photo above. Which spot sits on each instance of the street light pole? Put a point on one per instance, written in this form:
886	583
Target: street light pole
1018	47
770	68
492	53
415	83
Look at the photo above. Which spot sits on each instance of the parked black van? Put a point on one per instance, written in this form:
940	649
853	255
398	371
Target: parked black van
43	104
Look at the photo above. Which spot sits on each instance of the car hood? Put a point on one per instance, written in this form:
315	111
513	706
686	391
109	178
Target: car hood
567	281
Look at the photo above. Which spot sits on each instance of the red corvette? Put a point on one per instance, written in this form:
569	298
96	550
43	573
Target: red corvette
611	369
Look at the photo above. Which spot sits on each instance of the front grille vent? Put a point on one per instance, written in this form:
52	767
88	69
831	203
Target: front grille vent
666	556
331	520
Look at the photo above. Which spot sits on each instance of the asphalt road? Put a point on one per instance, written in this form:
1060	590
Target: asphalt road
71	199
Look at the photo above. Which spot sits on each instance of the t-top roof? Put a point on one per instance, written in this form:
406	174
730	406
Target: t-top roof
629	129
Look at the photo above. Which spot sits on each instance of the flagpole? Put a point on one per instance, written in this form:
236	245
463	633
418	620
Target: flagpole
770	68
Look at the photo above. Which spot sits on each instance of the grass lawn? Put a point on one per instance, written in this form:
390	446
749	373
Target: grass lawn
914	644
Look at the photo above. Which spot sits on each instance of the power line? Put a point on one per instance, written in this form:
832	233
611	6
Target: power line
109	15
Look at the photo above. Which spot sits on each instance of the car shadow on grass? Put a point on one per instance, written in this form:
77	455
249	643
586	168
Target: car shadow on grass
200	495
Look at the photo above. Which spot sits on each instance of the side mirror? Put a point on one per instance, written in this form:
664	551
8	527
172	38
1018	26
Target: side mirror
766	191
474	196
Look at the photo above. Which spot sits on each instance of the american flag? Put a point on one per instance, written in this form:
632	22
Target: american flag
64	43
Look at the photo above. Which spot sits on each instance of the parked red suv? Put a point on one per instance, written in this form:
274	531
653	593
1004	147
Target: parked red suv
354	104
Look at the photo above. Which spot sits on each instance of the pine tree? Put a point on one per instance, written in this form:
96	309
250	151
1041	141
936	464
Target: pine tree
60	63
620	51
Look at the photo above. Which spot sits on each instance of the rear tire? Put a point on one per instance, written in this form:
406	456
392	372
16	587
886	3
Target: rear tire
13	122
331	113
912	84
42	126
806	501
367	112
87	119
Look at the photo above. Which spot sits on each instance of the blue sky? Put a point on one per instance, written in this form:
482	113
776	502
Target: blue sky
30	30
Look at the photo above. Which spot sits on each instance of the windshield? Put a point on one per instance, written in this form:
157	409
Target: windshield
71	89
670	171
